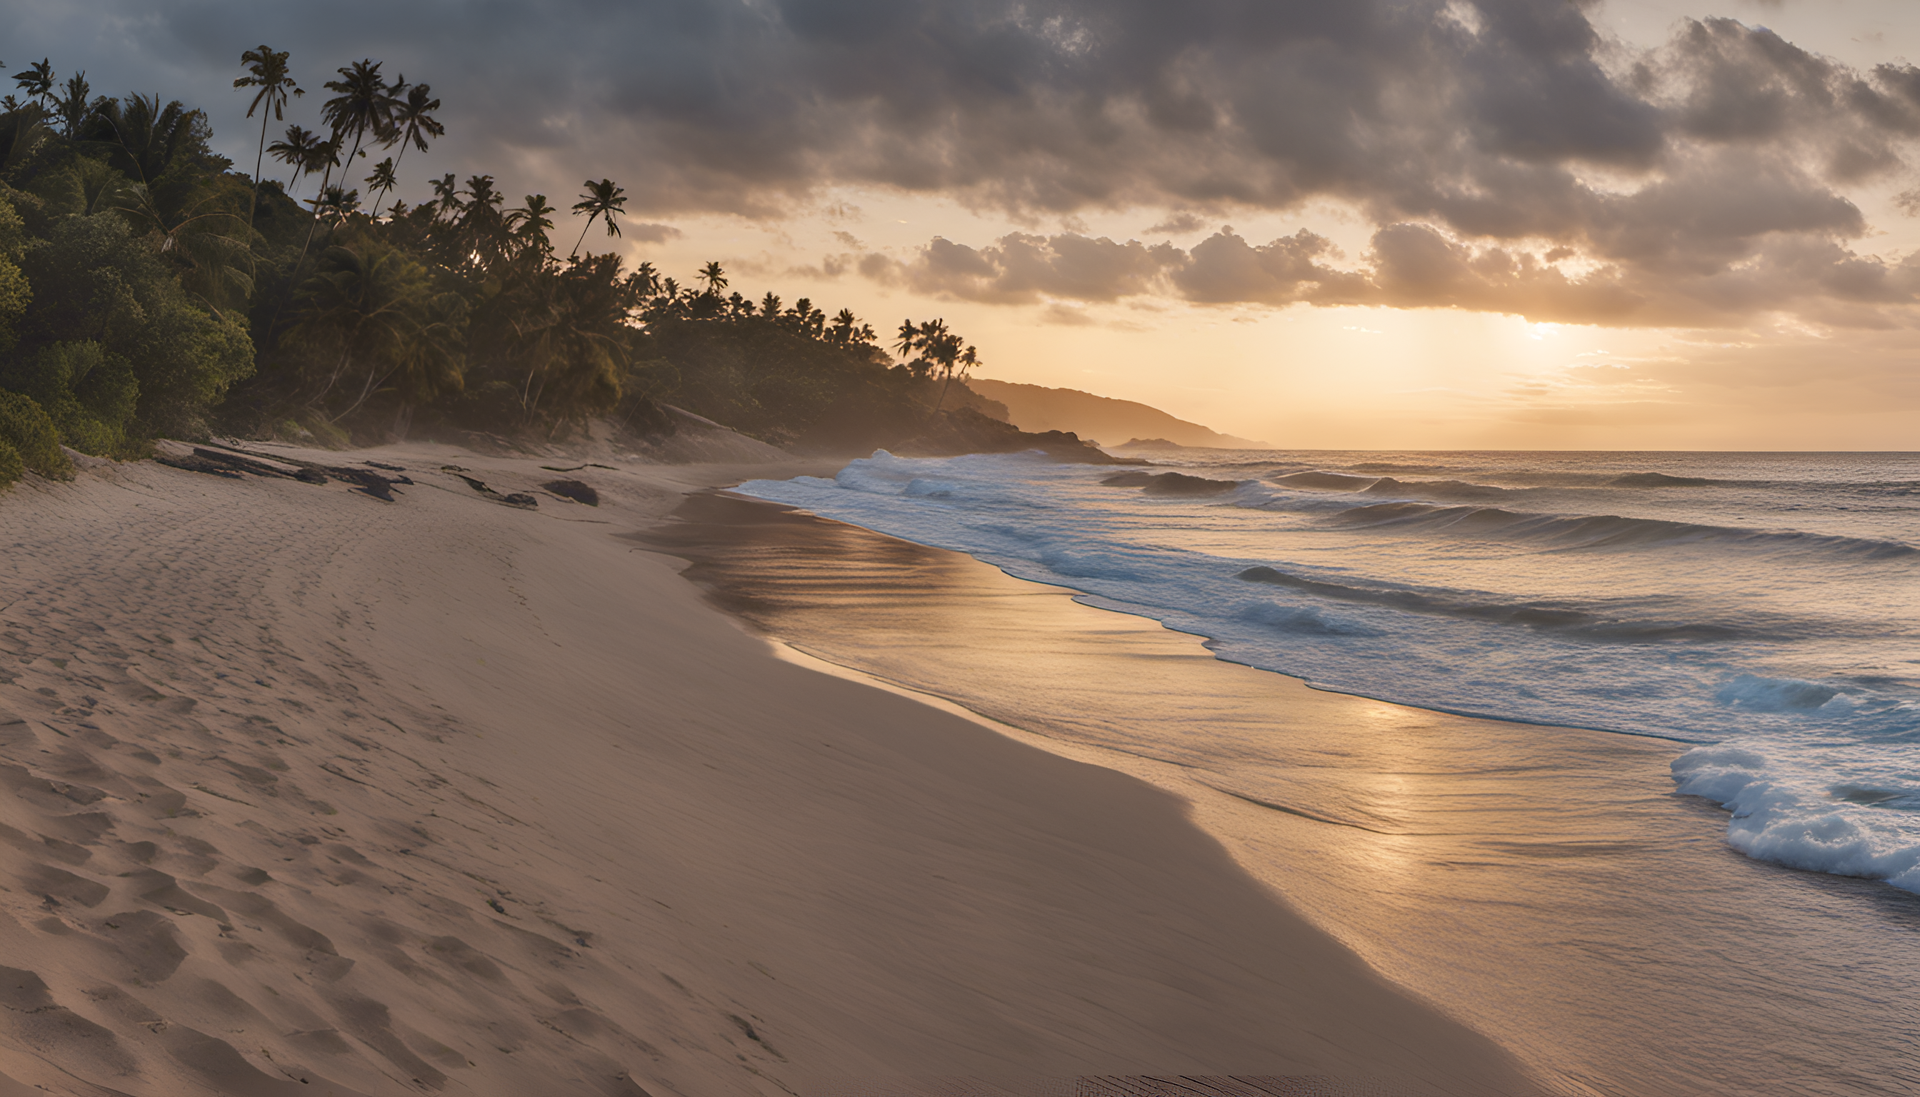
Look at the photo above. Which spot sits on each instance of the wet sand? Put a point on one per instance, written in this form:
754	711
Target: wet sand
309	792
1544	884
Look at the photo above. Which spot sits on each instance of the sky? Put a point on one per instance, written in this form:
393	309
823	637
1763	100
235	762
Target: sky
1447	224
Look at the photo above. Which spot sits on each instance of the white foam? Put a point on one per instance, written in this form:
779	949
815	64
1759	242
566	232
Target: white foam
1841	808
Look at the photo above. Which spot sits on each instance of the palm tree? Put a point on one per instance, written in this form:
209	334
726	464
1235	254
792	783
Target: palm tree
413	123
446	191
75	108
364	105
770	306
376	306
906	339
942	349
301	149
143	138
602	199
36	83
531	223
381	181
645	281
334	202
714	277
571	340
266	70
206	240
843	326
949	356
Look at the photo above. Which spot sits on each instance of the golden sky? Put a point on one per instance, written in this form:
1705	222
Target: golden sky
1417	223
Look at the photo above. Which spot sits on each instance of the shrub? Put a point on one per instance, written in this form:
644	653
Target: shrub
89	395
31	435
11	467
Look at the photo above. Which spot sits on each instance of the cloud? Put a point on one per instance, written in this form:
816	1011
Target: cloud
1065	316
647	233
1178	224
1022	268
1225	269
1417	265
1718	161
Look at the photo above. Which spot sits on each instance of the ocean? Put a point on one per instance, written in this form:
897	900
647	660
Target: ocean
1758	611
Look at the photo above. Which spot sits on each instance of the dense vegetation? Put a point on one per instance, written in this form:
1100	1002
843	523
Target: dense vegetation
148	289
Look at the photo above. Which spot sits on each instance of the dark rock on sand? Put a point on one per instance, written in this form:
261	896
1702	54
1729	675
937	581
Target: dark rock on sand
574	490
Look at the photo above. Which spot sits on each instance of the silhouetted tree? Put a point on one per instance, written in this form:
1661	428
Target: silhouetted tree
266	70
602	199
36	82
74	107
413	121
302	149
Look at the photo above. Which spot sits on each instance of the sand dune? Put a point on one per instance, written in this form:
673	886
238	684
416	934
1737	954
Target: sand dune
308	792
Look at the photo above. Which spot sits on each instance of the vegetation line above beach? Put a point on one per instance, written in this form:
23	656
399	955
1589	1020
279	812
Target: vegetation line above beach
148	289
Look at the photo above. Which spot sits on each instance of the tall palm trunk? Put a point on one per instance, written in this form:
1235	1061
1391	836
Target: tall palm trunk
943	395
259	159
583	233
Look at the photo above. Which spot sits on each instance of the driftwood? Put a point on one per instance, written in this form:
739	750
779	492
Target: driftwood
232	462
517	499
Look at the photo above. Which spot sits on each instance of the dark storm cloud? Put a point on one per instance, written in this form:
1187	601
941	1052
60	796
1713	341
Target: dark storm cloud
1508	127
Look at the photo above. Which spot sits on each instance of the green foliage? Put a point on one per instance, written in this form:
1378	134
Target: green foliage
13	231
89	396
25	428
372	321
15	294
11	466
153	144
94	282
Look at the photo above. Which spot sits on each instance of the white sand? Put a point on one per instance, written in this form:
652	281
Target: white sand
310	793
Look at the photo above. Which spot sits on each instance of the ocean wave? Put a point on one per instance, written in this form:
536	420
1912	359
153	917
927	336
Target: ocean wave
1395	466
1170	483
1603	531
1444	490
1756	693
1818	808
1562	618
1324	481
1662	480
1302	621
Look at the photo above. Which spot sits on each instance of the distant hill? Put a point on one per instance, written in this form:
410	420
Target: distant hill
1036	408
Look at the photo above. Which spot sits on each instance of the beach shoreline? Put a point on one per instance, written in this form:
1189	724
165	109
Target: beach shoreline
317	790
1549	885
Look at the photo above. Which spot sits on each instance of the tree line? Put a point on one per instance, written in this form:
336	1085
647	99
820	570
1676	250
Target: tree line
150	289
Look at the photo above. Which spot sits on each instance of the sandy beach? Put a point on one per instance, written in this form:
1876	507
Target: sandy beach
316	793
